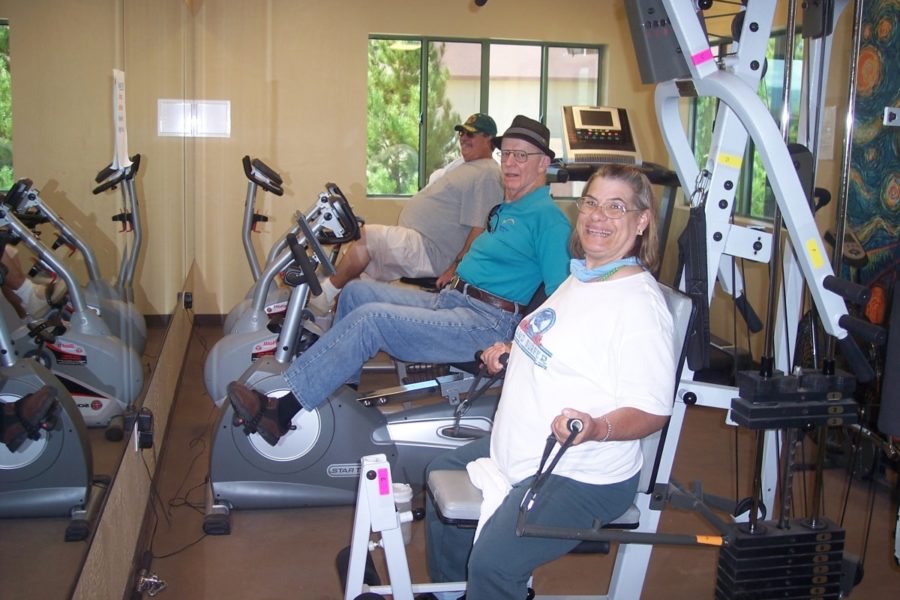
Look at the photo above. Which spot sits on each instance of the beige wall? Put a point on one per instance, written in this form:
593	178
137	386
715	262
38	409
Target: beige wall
295	73
62	56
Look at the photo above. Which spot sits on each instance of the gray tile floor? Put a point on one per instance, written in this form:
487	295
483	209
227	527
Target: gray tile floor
290	553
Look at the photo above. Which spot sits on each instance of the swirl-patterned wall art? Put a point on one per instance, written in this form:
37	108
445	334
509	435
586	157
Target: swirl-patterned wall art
873	208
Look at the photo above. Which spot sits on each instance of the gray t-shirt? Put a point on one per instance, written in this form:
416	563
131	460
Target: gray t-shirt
444	211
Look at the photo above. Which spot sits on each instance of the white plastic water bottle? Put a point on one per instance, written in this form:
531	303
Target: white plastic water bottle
403	500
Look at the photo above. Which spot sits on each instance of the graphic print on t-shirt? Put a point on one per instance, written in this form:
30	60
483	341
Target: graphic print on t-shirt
529	335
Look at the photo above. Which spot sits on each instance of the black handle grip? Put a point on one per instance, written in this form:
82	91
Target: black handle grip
135	165
270	180
104	173
504	358
868	331
822	196
107	171
859	365
16	194
849	291
575	425
345	217
309	270
268	171
747	312
334	190
110	183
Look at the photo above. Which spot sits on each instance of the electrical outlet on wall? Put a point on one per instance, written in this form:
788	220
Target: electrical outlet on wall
891	116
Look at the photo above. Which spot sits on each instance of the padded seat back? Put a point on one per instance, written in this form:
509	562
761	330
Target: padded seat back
683	311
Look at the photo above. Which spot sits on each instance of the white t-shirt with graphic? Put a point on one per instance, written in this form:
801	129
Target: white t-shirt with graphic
593	347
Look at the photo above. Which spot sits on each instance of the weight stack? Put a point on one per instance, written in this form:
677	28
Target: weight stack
799	562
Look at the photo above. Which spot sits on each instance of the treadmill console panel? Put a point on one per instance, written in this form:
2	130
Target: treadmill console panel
599	134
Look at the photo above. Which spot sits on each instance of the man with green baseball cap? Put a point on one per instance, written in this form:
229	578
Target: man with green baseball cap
436	226
478	123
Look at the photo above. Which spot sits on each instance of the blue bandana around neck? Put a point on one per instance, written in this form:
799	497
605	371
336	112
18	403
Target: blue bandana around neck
578	268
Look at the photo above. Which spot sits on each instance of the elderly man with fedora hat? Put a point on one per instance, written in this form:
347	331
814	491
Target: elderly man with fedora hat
524	245
436	226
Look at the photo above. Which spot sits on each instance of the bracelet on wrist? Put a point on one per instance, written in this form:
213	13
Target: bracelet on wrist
608	429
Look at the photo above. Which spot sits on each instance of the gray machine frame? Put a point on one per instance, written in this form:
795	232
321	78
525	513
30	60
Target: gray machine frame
51	476
122	318
317	463
741	115
101	371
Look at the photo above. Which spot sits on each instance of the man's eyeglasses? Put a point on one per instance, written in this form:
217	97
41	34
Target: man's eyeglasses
519	155
467	134
493	218
611	209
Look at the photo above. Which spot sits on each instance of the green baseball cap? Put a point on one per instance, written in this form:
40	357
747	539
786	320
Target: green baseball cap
479	123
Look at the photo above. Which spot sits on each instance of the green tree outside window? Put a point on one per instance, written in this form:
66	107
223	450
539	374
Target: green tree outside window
6	151
394	108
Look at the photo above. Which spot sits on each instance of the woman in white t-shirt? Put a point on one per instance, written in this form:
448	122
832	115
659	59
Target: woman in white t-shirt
599	350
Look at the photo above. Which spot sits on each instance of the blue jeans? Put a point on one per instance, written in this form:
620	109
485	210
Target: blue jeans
409	325
499	564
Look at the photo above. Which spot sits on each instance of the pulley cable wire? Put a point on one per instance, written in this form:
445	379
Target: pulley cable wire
871	497
868	530
734	354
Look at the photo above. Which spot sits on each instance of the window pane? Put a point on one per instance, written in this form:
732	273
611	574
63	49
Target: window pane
762	200
571	81
454	93
515	85
393	117
572	75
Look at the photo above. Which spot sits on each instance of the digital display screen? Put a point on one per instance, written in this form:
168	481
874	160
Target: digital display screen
596	118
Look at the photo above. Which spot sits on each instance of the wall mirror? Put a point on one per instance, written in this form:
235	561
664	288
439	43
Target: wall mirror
60	63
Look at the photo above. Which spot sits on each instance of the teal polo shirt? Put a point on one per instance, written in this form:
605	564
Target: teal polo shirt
526	243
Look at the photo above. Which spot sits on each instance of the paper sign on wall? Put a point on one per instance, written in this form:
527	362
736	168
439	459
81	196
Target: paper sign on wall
120	139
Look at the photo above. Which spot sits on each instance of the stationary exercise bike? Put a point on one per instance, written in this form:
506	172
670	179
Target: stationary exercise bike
259	175
255	330
120	316
49	474
102	373
317	462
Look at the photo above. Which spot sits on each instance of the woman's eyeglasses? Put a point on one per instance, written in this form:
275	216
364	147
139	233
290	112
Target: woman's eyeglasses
611	209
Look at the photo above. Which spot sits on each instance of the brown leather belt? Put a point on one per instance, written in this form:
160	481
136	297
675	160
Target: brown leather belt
462	286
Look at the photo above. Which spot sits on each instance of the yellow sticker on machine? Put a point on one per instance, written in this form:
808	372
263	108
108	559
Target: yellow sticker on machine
815	253
730	160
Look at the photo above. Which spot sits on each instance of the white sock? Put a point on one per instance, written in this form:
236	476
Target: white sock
323	301
25	290
329	290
